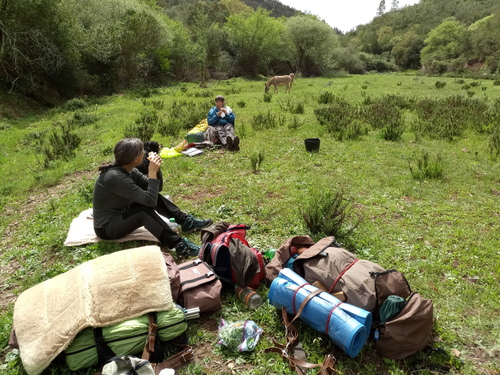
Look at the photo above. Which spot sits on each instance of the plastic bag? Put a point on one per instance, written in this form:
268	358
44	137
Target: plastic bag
240	336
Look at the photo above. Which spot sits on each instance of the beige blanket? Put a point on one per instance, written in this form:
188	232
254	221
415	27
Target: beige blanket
81	231
97	293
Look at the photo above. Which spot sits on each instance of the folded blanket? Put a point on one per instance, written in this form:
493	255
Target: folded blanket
97	293
81	231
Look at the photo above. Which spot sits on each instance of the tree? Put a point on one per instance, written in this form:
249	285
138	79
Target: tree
36	45
444	43
406	50
255	38
394	5
314	42
381	8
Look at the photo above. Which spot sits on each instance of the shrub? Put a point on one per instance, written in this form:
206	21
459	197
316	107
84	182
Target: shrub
269	120
296	123
83	118
384	112
74	104
144	127
336	117
170	126
394	130
61	146
267	97
156	104
425	167
256	160
241	104
494	143
440	84
330	214
291	106
326	97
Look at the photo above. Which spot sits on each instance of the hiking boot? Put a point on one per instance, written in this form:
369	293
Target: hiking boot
185	248
229	142
236	144
191	224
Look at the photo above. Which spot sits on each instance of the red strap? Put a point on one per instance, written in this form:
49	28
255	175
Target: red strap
341	274
330	315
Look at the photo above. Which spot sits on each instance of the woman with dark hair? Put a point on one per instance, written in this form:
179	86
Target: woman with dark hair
125	199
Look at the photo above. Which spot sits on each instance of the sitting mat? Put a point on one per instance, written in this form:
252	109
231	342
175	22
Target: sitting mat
361	315
320	314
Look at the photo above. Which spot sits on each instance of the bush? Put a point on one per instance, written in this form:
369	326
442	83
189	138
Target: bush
256	160
383	112
440	84
296	123
75	104
329	214
494	143
269	120
425	167
61	146
326	98
336	117
144	127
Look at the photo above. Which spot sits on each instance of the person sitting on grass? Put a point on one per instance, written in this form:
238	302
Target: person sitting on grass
125	199
222	117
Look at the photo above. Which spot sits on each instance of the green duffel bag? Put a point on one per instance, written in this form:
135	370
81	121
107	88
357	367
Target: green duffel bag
195	137
124	338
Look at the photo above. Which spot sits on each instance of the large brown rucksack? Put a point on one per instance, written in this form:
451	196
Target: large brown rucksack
364	284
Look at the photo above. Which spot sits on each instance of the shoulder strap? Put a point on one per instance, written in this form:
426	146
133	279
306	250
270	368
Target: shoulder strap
292	338
104	352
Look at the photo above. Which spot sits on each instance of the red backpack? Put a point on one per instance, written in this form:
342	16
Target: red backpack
232	258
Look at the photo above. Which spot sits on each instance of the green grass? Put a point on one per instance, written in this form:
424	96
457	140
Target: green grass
443	234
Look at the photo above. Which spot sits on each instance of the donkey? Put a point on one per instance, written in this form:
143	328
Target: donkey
280	81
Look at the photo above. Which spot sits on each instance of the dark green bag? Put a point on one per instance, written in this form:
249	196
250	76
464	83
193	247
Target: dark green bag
391	307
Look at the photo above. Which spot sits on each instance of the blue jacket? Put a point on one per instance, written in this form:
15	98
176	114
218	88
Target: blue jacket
213	119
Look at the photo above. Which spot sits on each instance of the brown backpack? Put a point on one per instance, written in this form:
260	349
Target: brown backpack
200	286
366	285
409	331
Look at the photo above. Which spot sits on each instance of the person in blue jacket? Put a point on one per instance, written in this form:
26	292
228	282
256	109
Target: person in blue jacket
222	117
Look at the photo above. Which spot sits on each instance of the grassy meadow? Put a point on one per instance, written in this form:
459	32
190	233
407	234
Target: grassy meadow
427	205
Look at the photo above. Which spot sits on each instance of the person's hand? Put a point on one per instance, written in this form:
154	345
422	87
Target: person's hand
155	162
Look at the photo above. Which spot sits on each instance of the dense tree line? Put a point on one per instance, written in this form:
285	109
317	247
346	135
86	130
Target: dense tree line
54	49
431	28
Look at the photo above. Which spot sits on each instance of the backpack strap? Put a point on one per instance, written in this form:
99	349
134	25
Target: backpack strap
176	361
341	274
104	352
292	338
152	349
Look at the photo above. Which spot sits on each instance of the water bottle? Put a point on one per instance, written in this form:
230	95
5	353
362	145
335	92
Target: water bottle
249	296
269	254
173	225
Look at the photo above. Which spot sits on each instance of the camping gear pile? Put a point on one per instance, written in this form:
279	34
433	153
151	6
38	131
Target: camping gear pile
133	303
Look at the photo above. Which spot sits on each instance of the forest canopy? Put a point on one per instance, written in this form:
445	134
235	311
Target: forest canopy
55	49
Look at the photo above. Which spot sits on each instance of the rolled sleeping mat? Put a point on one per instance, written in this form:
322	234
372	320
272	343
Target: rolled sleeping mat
361	315
320	314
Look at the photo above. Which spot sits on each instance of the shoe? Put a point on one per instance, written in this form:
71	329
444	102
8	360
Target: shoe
185	248
191	224
236	144
229	142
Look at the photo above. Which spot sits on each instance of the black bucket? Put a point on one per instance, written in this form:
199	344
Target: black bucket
312	144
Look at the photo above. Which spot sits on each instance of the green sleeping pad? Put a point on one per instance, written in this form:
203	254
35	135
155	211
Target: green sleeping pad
127	337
